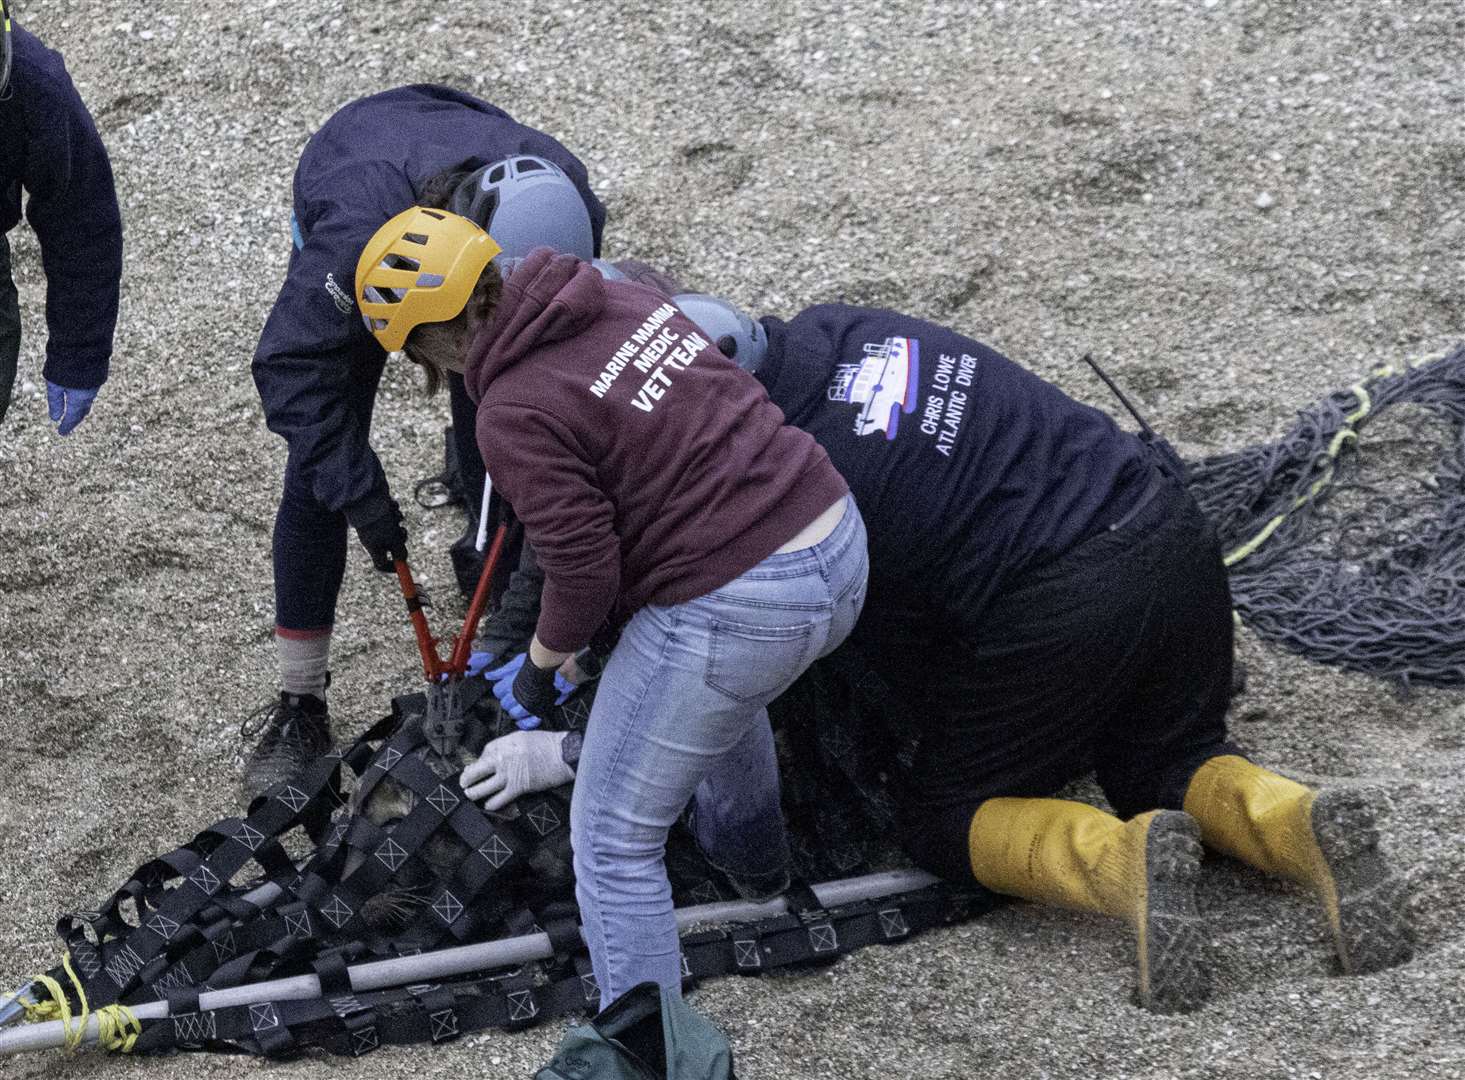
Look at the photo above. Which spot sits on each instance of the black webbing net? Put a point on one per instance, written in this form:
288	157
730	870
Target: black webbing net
403	864
1345	538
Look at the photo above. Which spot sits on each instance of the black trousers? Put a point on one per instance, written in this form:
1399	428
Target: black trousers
1116	658
9	327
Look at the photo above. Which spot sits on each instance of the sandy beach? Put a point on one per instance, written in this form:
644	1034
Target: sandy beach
1236	206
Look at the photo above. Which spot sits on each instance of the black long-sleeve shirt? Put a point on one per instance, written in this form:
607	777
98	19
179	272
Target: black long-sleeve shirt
50	150
968	469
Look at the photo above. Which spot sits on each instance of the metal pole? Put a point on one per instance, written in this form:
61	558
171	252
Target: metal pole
464	959
12	1011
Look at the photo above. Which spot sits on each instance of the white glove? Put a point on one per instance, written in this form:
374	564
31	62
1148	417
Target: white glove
519	763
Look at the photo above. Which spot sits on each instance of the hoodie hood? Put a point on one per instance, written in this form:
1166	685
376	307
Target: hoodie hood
547	298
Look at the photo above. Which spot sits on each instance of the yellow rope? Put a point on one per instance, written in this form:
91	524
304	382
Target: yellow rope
1343	435
59	1007
117	1026
33	1009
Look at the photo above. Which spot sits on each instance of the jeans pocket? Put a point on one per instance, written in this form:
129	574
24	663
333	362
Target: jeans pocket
857	599
856	583
753	664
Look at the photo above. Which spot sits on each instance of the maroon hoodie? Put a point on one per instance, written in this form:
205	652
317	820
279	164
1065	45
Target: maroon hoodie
647	468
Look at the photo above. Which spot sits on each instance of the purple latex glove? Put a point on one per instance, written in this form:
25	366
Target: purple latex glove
68	407
478	663
503	689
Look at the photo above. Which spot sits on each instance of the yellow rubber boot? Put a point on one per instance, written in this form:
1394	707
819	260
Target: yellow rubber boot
1327	842
1074	856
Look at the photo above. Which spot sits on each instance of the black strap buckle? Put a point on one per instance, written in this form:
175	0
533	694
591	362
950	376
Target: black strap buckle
804	903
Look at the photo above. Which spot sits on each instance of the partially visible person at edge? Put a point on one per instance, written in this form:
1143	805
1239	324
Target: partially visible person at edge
50	150
1078	601
317	367
660	489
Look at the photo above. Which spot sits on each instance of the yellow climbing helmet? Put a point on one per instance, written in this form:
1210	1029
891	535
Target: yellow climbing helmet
420	267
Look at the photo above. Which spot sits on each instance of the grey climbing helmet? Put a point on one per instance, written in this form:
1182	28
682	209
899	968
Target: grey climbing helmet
525	202
736	334
609	271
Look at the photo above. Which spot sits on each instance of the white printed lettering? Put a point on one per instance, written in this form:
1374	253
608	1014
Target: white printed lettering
629	349
951	422
652	352
931	415
942	379
659	382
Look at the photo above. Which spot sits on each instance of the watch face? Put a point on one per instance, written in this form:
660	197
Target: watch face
570	748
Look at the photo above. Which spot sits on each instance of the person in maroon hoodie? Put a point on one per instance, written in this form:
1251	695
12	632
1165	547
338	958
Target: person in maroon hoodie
662	492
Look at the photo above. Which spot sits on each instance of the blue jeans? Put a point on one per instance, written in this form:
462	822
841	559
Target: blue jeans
681	710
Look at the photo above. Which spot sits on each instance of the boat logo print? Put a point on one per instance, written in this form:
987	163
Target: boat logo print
883	384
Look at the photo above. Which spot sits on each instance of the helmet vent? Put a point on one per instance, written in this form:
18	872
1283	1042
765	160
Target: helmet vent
429	281
497	174
393	261
384	296
529	164
727	345
415	238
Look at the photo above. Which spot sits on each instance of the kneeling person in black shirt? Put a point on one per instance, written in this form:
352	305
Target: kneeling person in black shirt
1050	600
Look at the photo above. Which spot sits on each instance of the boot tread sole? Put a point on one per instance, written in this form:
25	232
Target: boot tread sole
1368	909
1174	974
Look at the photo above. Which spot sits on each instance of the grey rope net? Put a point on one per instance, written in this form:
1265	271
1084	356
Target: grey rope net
1345	538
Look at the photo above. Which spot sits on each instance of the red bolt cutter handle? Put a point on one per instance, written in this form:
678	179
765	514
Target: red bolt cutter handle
432	664
458	662
426	643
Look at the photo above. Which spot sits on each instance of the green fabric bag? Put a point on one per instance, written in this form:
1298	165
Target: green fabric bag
645	1034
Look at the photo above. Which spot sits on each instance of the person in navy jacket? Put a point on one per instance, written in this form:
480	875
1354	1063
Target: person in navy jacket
317	367
50	152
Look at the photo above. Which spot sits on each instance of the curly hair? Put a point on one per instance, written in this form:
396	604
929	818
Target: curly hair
435	347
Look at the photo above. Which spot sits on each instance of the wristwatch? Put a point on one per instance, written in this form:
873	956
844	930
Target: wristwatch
570	747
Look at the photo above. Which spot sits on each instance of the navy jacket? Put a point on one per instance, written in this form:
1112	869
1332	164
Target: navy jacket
967	468
370	161
50	148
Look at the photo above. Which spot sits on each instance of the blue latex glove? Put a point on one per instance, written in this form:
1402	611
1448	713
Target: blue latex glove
68	407
503	689
478	663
